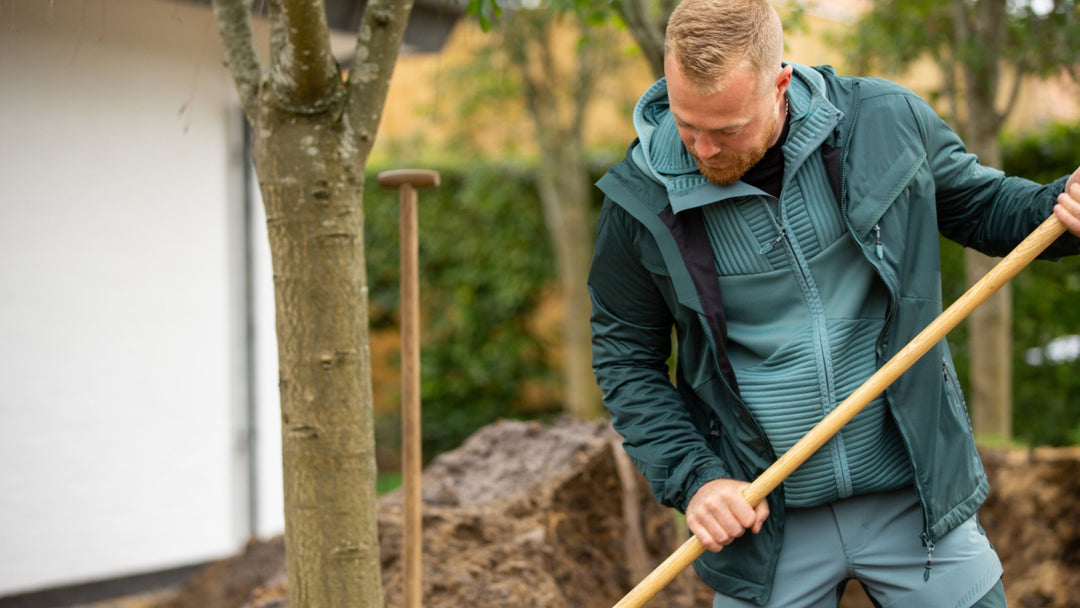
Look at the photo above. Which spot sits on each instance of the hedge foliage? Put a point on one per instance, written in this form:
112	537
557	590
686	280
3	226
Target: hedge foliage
485	266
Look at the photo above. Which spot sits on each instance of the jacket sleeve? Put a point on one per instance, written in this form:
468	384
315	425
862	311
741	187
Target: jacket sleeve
979	206
632	329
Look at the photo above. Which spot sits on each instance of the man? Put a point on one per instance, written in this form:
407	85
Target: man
783	220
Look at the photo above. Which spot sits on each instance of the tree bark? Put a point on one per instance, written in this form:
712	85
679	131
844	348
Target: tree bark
312	135
647	21
315	225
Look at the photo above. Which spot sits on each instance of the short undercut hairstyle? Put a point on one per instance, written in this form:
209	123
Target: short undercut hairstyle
709	38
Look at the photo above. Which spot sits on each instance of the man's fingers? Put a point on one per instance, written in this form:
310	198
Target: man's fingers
745	515
1067	209
762	513
725	518
718	513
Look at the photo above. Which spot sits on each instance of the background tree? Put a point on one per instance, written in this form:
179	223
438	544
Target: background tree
313	131
647	22
552	59
557	89
985	49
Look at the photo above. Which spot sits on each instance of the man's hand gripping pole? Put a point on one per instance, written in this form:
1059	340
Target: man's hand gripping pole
1005	270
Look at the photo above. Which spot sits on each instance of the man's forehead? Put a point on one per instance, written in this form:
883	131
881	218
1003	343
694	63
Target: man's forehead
732	106
713	122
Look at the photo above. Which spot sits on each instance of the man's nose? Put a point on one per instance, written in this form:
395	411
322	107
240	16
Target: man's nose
705	147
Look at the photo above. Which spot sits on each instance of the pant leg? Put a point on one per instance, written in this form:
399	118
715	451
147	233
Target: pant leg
811	566
994	599
881	535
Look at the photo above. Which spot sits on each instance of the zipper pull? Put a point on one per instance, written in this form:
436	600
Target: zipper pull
929	560
769	246
878	247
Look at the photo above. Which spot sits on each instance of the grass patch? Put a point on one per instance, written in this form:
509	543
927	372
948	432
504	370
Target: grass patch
996	441
387	482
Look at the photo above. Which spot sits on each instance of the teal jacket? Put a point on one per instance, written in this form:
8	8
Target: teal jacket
901	176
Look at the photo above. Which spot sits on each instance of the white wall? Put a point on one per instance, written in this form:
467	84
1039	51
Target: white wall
121	314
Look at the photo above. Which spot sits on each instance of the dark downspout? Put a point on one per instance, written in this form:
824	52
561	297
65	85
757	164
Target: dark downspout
250	353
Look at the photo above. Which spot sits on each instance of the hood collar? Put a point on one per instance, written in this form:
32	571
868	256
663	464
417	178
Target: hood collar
661	154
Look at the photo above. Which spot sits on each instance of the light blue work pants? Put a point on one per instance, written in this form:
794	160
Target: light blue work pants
876	539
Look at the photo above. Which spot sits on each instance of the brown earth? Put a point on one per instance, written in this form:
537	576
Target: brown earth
524	515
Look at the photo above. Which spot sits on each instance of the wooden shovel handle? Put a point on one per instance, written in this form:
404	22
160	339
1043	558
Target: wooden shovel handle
1006	269
407	181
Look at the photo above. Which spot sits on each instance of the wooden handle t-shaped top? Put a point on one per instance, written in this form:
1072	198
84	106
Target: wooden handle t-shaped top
417	178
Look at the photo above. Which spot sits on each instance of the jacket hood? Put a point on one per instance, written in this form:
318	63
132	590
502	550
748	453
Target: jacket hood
660	153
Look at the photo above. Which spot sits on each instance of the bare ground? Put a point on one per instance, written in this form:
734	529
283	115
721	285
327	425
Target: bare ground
524	515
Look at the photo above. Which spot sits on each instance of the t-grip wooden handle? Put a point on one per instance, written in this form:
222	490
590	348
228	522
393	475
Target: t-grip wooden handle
1006	269
407	181
417	178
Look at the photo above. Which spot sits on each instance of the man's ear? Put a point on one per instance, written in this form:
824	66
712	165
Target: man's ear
783	79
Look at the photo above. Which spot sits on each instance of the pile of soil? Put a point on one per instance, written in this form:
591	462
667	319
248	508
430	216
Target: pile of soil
526	515
1033	519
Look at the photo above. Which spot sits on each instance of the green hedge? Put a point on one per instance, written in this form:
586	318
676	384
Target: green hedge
485	261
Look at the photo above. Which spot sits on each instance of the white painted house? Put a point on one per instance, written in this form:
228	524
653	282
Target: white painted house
138	384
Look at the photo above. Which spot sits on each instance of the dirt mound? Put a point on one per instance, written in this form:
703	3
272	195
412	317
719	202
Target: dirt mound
1033	519
521	515
525	515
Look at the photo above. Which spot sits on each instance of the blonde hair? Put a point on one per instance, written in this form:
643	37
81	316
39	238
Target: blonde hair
709	38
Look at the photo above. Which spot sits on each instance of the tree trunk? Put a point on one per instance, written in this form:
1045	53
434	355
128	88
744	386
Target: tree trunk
313	133
564	192
990	341
556	100
315	222
989	329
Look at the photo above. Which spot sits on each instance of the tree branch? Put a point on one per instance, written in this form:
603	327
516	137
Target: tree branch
594	63
516	41
303	71
588	67
961	40
378	44
952	93
648	33
234	26
1021	72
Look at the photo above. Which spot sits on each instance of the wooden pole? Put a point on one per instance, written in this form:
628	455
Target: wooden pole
1000	274
407	181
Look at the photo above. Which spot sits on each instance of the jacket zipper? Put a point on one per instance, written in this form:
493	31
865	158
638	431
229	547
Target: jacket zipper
819	331
926	536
